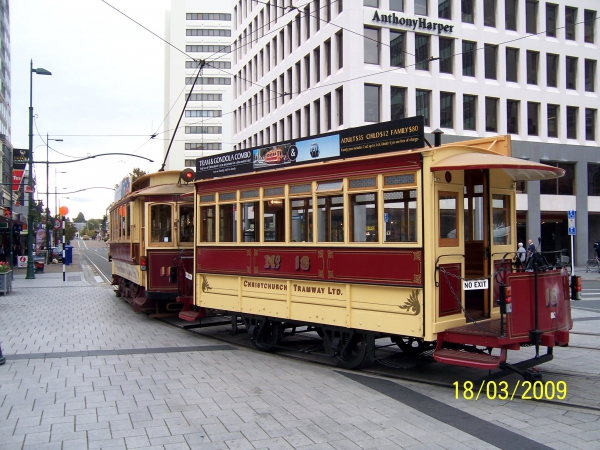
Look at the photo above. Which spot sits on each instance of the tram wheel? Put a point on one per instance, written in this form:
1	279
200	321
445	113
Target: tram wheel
122	288
412	345
350	350
269	337
135	290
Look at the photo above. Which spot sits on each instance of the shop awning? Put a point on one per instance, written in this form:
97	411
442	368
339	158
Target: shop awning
517	169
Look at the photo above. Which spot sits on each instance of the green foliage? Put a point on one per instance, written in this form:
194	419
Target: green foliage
137	173
80	218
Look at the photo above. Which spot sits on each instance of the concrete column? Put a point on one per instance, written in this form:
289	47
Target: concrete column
534	222
581	216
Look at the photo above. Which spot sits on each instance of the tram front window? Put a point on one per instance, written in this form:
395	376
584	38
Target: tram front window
501	215
363	218
227	223
161	217
401	212
186	223
302	220
208	224
331	218
448	222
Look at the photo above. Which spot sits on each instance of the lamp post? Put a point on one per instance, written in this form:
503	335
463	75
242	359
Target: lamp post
49	228
30	269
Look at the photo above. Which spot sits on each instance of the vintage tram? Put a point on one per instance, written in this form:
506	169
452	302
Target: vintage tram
388	239
151	230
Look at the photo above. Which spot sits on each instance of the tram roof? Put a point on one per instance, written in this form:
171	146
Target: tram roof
164	189
515	168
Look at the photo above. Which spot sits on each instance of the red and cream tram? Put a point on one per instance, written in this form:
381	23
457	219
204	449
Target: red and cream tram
390	239
152	230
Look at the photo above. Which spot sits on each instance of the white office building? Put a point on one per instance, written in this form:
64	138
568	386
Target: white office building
199	30
472	68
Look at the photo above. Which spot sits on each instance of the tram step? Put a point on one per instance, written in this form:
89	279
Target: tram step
466	359
192	316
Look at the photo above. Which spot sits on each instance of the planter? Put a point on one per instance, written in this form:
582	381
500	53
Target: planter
6	282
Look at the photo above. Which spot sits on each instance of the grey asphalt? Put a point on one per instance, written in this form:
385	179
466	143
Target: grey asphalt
84	371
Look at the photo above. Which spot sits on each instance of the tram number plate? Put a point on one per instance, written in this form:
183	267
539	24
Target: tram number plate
471	285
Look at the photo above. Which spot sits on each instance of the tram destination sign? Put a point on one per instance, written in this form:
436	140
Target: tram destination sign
402	134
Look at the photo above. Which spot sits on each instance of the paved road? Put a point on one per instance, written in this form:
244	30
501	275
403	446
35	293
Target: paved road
96	254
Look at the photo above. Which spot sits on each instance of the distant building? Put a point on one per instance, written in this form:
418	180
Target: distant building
199	30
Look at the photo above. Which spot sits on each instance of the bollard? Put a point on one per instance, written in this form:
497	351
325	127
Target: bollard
2	358
575	287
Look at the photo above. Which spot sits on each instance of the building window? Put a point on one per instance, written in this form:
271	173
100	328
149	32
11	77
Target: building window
209	65
469	112
570	21
203	113
531	16
339	95
552	111
532	67
398	95
593	177
551	70
317	65
589	26
373	3
446	110
307	71
533	118
590	75
208	81
397	48
489	13
397	5
204	146
208	48
205	97
446	55
422	51
559	186
512	64
421	7
512	116
572	122
327	99
327	47
372	103
339	42
203	130
510	14
208	16
371	45
490	55
423	105
467	11
551	18
571	72
469	52
317	111
307	120
491	114
208	32
445	9
590	124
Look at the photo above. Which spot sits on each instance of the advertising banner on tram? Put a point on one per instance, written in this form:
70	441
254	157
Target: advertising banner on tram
402	134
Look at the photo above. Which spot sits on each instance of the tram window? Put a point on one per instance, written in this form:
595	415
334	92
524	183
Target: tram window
302	220
448	219
474	216
127	221
186	223
400	209
161	217
250	222
331	218
227	223
363	218
274	220
208	224
501	217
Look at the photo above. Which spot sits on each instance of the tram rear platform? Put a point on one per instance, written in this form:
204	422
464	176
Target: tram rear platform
84	371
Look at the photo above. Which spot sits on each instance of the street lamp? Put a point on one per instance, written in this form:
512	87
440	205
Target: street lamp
48	226
30	268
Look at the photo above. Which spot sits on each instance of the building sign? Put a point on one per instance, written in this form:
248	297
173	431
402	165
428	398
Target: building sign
20	160
410	23
402	134
123	188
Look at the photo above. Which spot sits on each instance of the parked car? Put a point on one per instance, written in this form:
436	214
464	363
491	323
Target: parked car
57	254
85	237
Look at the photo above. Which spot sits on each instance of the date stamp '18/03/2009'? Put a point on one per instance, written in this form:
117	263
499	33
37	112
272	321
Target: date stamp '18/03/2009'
537	390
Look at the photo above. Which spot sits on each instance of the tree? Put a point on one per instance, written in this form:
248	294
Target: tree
137	173
80	218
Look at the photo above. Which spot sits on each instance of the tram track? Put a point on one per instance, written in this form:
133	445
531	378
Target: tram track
379	368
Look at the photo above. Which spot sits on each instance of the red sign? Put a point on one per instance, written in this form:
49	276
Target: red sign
17	178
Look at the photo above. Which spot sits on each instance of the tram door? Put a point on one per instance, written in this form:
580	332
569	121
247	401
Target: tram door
476	239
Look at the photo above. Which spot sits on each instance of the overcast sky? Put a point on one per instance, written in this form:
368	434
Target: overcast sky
105	94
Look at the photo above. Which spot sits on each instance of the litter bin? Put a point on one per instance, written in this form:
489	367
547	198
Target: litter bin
68	254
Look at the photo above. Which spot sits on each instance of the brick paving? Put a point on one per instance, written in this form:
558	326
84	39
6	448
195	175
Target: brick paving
218	396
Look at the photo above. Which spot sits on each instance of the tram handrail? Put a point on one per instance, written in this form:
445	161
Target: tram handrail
437	266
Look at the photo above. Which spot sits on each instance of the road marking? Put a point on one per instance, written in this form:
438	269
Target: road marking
98	279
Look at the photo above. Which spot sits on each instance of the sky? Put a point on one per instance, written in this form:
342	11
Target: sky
105	94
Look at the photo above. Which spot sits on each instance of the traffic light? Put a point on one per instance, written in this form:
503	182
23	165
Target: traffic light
187	175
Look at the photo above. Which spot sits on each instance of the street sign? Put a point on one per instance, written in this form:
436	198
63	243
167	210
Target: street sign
571	224
57	224
21	262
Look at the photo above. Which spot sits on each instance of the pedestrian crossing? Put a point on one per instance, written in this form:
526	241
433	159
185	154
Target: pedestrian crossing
590	294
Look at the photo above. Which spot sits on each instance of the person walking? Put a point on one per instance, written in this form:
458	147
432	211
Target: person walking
521	255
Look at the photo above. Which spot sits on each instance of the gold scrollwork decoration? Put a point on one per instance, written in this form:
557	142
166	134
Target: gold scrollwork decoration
320	253
320	273
416	278
330	274
412	302
416	256
329	254
205	286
